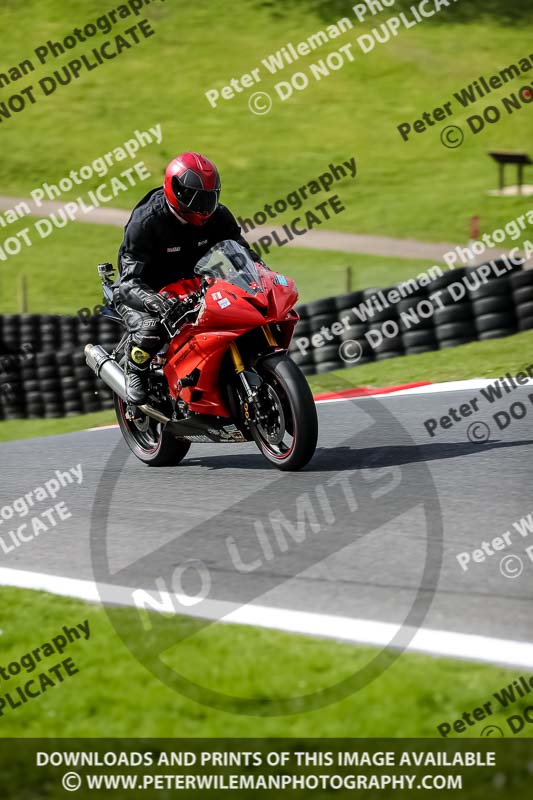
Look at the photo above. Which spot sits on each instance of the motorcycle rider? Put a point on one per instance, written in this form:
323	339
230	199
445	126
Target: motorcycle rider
168	232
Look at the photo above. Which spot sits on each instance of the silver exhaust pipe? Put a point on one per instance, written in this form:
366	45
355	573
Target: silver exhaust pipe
112	374
106	368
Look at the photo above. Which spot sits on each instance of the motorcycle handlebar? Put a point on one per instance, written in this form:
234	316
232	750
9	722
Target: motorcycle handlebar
177	313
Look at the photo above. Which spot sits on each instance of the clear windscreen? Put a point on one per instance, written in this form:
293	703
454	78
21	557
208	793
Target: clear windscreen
229	261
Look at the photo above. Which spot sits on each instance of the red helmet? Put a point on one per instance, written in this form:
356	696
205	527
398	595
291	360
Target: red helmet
192	187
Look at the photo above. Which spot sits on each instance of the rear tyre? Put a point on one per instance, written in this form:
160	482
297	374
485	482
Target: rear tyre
147	439
287	432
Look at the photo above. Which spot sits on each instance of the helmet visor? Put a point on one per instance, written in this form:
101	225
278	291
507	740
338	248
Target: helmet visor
200	201
205	202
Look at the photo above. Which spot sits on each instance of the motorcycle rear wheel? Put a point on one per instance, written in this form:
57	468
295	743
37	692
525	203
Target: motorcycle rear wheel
147	439
287	432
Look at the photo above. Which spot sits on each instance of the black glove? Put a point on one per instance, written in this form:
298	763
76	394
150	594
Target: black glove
157	304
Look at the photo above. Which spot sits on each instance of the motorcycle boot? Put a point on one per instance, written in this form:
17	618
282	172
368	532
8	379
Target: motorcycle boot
137	373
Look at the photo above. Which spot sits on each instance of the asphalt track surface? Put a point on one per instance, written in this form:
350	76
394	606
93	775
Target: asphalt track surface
372	503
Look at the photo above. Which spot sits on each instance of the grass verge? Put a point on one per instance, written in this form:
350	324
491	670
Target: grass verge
409	189
62	278
488	359
29	428
114	695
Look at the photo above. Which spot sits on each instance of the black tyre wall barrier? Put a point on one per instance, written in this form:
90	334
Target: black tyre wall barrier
43	371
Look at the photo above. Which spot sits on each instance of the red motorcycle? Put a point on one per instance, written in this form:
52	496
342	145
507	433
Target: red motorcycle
225	375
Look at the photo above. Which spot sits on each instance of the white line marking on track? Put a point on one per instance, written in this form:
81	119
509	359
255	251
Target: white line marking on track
103	427
432	388
450	386
355	631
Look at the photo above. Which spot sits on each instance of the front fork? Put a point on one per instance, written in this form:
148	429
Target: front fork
240	369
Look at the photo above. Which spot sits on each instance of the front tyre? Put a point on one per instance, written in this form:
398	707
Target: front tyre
147	439
285	428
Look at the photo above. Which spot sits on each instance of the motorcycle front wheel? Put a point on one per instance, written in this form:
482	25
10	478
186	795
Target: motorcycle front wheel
285	427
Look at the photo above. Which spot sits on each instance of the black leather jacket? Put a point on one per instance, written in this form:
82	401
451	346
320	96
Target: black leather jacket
159	249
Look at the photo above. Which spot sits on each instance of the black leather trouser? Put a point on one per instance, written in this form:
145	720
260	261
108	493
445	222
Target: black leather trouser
145	330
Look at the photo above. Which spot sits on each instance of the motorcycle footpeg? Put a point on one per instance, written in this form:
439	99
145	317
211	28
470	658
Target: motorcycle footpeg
133	413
